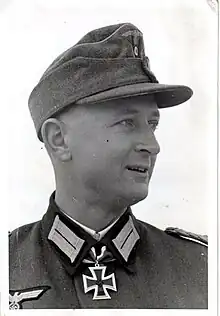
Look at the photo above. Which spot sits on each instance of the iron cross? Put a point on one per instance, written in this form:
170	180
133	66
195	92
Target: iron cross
99	283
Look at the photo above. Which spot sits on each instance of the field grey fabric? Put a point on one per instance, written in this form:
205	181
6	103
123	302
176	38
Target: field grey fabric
162	270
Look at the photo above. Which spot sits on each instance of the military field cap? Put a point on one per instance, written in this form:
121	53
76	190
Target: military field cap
107	63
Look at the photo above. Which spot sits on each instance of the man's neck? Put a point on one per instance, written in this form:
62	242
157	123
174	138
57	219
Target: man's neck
96	217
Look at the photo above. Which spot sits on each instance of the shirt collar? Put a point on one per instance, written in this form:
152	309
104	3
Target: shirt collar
96	235
72	243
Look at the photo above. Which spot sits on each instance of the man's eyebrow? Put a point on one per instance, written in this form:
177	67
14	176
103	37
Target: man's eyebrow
122	110
135	111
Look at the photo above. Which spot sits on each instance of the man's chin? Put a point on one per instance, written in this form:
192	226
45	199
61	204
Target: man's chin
137	199
138	195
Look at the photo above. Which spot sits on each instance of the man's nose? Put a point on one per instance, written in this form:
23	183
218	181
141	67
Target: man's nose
150	145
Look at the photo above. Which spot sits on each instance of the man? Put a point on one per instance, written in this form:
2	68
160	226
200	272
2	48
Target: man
96	109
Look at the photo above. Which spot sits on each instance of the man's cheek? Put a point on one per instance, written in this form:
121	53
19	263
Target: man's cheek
99	180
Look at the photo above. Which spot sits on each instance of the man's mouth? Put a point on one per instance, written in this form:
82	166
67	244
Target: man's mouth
141	169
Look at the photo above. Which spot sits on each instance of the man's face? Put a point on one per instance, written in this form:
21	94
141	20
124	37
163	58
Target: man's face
113	147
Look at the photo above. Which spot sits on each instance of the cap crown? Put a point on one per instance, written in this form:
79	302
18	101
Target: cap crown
114	41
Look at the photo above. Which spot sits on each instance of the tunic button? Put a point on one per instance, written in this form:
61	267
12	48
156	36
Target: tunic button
97	236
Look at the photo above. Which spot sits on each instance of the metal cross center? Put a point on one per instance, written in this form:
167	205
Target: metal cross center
99	283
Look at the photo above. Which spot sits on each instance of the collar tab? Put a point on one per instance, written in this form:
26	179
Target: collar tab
126	239
65	239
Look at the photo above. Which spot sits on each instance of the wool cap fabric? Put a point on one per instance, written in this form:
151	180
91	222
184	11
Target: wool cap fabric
107	63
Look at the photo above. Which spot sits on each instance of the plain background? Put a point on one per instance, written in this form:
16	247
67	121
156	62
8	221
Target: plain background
181	42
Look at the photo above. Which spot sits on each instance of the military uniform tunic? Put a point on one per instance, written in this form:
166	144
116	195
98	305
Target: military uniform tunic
52	266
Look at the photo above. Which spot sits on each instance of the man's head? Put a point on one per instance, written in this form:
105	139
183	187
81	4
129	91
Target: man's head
107	150
96	108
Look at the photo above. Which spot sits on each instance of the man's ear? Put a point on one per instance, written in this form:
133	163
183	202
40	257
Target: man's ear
53	135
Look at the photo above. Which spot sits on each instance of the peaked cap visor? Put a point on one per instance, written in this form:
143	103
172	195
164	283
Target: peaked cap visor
165	95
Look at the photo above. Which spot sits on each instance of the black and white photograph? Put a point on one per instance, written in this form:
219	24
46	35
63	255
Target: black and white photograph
111	136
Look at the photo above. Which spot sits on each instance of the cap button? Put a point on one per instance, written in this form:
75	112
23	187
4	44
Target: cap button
136	51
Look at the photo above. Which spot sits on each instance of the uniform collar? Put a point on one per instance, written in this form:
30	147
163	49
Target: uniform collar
72	243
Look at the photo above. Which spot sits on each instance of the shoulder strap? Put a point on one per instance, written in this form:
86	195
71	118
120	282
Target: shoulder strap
201	239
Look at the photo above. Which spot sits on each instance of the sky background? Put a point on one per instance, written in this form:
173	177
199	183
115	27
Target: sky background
180	40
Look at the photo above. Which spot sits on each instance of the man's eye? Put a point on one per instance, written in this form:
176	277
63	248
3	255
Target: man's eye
153	124
128	123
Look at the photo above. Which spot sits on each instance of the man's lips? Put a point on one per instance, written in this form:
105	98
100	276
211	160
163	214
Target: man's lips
138	168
